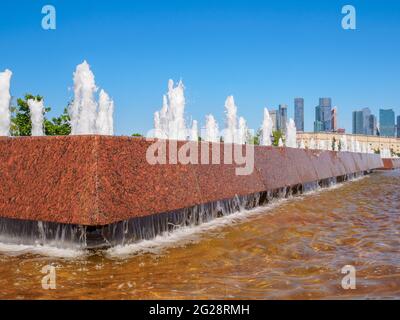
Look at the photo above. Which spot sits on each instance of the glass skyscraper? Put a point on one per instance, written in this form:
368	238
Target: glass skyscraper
386	122
323	115
358	122
299	114
282	117
398	126
364	122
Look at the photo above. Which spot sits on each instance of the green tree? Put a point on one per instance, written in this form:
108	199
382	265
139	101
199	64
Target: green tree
340	145
58	126
136	135
277	135
21	119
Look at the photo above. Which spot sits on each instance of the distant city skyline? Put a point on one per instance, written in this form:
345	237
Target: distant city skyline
217	48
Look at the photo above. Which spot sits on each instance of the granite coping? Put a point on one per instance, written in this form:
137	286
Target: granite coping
100	180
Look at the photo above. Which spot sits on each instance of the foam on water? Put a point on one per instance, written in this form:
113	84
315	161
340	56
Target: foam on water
189	234
44	250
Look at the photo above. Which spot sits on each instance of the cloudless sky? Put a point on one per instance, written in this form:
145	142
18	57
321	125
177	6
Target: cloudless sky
262	52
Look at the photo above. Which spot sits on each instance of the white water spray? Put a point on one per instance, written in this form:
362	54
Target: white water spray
291	134
194	134
5	99
231	120
36	110
266	130
104	121
242	131
212	131
83	110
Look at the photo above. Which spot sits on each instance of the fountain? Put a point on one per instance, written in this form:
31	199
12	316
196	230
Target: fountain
343	142
104	121
291	134
302	144
85	118
280	142
36	108
169	122
231	120
83	109
266	130
5	99
212	132
194	135
242	132
312	145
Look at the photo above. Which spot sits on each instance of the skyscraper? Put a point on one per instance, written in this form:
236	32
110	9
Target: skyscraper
323	115
386	122
334	119
282	117
364	122
398	126
372	125
358	122
299	113
274	118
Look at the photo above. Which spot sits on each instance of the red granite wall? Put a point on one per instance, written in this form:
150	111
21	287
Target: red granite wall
98	180
391	164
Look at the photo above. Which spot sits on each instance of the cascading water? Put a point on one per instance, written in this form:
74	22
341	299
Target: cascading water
312	145
36	109
266	129
291	134
5	99
343	142
212	131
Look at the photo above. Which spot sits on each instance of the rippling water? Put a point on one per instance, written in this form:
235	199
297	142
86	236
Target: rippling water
294	249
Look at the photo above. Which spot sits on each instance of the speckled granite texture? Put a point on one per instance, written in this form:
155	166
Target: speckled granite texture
391	164
99	180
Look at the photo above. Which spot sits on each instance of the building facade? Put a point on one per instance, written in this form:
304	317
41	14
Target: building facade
358	122
398	126
299	114
386	122
323	115
375	142
282	117
274	117
334	119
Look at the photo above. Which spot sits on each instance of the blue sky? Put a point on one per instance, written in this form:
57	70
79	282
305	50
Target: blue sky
262	52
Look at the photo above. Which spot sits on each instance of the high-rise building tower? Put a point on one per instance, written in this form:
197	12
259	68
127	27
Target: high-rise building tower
398	126
323	115
358	122
299	114
386	122
364	122
334	120
282	117
274	117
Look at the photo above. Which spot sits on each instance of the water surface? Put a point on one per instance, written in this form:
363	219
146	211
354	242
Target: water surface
294	249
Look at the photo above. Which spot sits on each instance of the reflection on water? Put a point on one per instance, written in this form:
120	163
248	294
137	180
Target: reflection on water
293	250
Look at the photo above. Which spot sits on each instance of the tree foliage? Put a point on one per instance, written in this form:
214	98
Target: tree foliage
21	119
